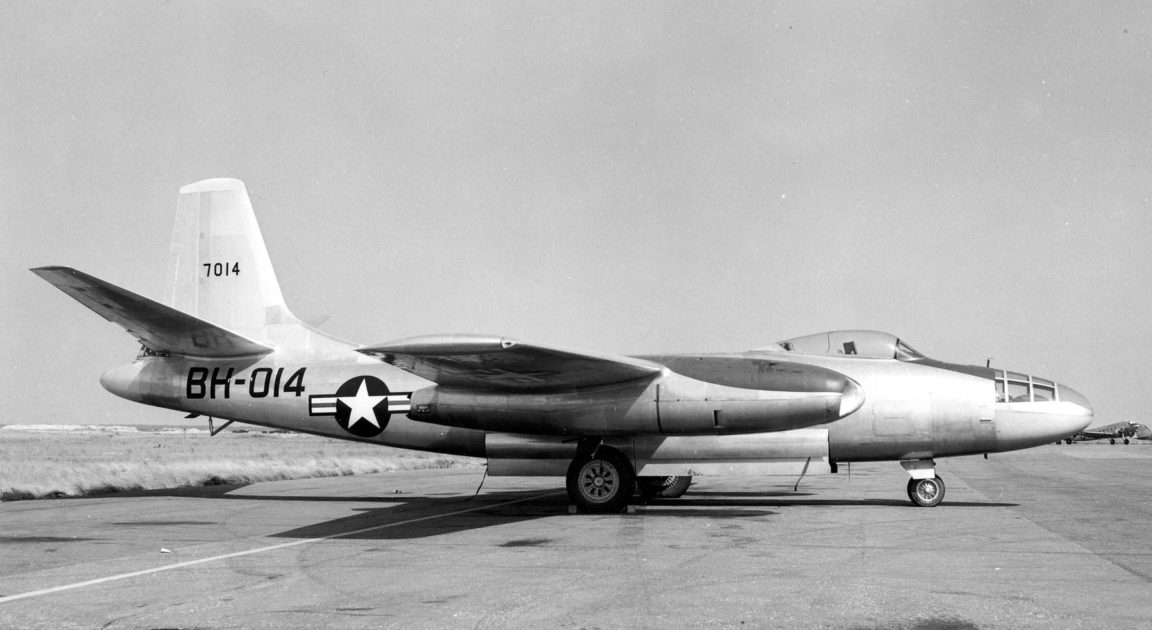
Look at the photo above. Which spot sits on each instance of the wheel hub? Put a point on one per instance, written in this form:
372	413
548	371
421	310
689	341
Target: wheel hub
598	481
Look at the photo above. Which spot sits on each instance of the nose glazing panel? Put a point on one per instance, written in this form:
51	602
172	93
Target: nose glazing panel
1067	394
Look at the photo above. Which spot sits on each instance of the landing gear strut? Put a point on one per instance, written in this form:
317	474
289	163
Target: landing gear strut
601	481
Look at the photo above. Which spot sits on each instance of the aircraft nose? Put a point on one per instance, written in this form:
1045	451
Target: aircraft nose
1023	424
1067	394
1079	412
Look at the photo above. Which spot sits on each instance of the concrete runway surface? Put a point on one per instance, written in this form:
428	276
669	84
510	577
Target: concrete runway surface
1053	537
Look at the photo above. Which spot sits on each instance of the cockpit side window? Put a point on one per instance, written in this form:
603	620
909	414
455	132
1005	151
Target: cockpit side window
1015	387
1018	388
1043	390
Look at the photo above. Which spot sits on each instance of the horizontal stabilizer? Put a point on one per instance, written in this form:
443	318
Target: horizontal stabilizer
496	363
162	329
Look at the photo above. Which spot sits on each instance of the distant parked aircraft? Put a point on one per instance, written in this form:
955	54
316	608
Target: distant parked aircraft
226	346
1112	432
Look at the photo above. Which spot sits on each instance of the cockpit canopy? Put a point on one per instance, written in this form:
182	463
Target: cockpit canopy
867	344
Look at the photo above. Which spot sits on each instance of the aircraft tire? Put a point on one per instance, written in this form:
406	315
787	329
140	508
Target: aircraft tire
601	482
926	492
672	487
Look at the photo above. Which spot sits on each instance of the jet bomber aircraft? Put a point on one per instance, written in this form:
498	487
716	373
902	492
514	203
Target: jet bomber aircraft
224	345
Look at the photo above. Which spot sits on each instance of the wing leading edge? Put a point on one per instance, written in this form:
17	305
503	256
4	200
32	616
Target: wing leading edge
501	364
160	328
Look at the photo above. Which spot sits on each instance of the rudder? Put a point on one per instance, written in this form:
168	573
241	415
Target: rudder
219	269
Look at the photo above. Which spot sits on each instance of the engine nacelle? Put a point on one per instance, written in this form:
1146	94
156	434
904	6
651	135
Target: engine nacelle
671	405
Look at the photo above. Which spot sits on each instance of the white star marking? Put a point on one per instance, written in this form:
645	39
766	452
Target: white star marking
361	406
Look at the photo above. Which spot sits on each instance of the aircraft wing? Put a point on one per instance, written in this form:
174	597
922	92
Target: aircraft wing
1096	435
160	328
501	364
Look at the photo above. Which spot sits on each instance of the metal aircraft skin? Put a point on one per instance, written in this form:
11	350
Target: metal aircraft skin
225	345
1125	431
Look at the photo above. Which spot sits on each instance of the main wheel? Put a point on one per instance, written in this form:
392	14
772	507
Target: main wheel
926	492
663	487
602	482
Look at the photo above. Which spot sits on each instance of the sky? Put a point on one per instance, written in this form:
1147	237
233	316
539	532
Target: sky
625	178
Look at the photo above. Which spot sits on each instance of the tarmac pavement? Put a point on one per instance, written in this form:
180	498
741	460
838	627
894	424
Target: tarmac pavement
1053	537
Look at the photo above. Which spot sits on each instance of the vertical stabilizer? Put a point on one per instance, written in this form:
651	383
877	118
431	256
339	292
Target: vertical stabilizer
219	269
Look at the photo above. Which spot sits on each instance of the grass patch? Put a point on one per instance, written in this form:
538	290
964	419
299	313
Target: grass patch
41	464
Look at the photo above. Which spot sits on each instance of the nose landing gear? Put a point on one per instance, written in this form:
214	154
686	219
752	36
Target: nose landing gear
925	488
926	492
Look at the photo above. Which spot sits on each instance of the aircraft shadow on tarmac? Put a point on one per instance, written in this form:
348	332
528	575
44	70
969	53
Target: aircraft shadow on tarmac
419	517
408	516
426	509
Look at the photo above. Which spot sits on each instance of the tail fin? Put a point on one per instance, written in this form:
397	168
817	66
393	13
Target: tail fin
219	269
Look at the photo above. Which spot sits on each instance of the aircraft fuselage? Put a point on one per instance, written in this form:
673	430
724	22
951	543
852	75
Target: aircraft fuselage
908	411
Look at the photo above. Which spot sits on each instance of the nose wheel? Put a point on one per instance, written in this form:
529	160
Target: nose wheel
926	492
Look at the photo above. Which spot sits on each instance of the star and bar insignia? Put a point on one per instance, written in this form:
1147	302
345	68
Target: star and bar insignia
362	405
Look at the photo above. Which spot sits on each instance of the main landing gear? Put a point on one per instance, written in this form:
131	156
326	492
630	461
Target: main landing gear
925	488
601	479
663	487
